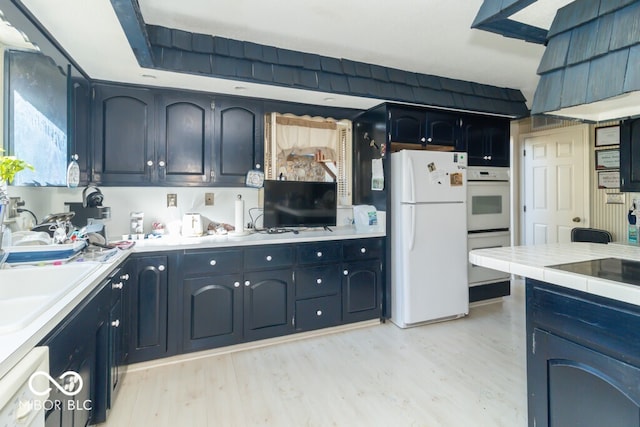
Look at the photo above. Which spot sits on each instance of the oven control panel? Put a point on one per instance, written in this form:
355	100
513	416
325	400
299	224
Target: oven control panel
487	174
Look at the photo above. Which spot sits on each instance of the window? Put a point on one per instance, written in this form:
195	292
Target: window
303	148
36	99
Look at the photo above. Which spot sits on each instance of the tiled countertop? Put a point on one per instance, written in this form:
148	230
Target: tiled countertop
532	262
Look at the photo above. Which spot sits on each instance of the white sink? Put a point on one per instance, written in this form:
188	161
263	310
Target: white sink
25	293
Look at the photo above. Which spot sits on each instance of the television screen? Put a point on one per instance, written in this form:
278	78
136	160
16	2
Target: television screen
299	204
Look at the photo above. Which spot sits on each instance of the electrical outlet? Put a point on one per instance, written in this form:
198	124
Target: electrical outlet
208	199
172	200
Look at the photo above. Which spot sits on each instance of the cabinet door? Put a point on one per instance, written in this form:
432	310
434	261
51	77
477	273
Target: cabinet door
79	131
443	129
148	333
239	140
630	155
497	136
487	140
185	137
123	135
607	388
361	291
268	304
408	125
212	311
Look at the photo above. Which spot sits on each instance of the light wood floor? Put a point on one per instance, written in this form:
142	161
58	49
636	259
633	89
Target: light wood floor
466	372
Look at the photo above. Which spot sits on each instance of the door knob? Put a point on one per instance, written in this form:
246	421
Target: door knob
576	219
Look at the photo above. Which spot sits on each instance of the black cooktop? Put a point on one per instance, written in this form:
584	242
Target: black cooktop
616	269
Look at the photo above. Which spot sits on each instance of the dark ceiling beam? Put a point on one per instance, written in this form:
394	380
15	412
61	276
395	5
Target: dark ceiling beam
130	17
493	16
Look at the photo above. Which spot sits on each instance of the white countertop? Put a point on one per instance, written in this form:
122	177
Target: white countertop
531	262
15	345
166	243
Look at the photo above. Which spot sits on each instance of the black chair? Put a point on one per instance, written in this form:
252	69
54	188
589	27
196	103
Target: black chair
593	235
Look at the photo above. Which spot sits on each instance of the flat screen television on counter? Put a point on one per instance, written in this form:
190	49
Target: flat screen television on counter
299	204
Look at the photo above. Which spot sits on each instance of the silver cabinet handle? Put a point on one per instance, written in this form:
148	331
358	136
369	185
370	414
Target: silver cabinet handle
258	165
423	139
247	283
269	257
161	267
212	262
319	281
319	313
345	272
118	285
115	323
236	284
319	254
161	163
363	250
149	163
125	277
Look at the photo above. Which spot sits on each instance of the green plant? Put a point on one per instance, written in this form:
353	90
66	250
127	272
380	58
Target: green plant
10	166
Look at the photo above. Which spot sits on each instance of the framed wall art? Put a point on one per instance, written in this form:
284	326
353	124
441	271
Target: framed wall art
607	159
607	135
608	179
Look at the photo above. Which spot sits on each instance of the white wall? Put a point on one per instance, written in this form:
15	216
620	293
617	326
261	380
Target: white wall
150	200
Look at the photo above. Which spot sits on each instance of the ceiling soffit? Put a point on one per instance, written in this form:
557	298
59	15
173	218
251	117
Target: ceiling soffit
181	51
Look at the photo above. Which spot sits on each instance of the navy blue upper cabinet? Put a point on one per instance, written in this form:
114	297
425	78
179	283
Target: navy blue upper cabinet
425	127
487	140
124	135
408	125
630	155
239	140
145	136
79	125
443	129
185	136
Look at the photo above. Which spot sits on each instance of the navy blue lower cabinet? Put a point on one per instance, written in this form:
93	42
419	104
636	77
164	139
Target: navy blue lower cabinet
80	343
149	309
212	314
583	359
361	291
268	303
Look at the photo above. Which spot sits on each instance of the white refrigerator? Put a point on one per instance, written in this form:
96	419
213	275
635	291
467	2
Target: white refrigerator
429	237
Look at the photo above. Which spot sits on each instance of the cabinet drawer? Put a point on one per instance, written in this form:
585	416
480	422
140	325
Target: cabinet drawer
212	262
318	313
318	252
268	257
362	249
318	281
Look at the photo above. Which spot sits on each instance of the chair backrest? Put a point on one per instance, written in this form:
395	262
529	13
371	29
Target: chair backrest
593	235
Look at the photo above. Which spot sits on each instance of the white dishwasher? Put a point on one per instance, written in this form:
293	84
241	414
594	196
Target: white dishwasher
20	402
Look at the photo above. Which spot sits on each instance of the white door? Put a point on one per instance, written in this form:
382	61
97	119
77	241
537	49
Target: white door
556	184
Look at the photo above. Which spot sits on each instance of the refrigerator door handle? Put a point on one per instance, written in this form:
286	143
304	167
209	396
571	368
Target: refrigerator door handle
411	186
412	228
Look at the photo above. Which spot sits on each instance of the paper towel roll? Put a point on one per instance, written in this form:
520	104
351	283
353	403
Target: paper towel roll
239	217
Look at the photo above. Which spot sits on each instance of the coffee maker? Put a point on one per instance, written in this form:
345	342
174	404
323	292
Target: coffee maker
91	212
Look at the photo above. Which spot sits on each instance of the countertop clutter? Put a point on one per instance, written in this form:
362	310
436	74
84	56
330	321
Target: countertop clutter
262	238
534	262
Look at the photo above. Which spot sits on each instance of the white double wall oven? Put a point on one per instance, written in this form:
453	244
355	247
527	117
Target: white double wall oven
488	218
